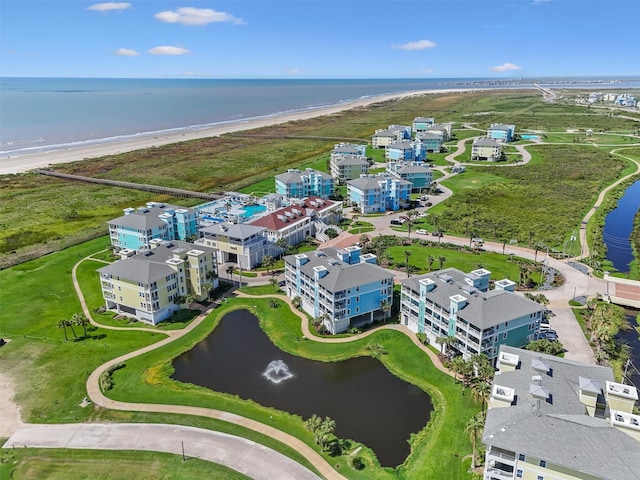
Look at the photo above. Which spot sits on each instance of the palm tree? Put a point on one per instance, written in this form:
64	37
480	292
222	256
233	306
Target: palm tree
80	320
445	340
267	262
283	245
364	239
385	306
442	259
430	260
229	271
458	366
411	269
481	390
296	302
324	433
313	423
474	426
70	325
274	283
63	325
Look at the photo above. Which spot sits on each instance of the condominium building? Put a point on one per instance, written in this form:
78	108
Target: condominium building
150	286
486	149
420	124
347	167
502	132
378	193
432	142
342	287
550	418
305	217
419	174
349	149
394	133
443	130
452	303
242	244
300	184
137	227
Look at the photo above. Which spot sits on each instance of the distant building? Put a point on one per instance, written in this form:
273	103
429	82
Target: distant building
420	124
553	418
150	286
349	149
595	97
501	132
419	174
137	227
300	184
378	193
395	133
443	130
347	167
486	149
305	217
342	287
460	305
404	150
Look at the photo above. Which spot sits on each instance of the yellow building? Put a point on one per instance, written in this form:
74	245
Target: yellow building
550	418
150	286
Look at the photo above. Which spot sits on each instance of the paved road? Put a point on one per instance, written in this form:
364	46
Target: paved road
252	459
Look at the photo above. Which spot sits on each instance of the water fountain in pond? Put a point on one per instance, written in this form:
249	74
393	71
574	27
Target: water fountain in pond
277	372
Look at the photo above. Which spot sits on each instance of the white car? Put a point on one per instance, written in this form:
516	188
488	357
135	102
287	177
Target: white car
420	231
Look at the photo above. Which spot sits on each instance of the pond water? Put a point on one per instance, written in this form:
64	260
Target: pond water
367	402
632	338
618	225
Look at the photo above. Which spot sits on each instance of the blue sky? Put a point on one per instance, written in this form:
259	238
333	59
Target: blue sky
319	39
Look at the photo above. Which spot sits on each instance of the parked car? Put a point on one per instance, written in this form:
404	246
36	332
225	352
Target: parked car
421	231
2	341
428	204
397	221
282	283
437	234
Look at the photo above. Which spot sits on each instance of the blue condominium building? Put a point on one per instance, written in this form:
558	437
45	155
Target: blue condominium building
301	184
137	227
342	287
452	303
378	193
501	132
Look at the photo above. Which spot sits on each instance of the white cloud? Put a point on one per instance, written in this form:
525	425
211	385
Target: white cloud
426	70
127	52
293	71
505	67
539	2
168	50
191	16
418	45
109	6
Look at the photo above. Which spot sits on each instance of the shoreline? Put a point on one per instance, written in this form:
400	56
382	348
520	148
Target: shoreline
30	161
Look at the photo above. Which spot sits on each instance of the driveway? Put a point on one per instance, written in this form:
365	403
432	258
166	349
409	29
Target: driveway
247	457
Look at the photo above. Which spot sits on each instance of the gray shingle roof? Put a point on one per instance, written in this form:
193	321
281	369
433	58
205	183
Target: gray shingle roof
370	182
484	309
140	221
559	431
232	230
297	177
485	142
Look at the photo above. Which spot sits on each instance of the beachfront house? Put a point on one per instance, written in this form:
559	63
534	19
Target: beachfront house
394	133
152	285
241	244
378	193
307	217
346	167
452	303
304	183
417	173
443	130
420	124
486	149
501	132
137	227
553	418
340	287
431	141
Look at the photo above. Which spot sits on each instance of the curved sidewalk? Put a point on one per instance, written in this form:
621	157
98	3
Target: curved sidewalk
249	458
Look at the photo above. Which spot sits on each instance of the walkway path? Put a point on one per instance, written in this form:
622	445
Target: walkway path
247	457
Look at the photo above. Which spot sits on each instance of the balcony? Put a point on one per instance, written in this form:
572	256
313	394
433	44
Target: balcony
497	473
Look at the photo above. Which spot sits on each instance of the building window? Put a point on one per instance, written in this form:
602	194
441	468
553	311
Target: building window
521	457
518	473
543	463
504	336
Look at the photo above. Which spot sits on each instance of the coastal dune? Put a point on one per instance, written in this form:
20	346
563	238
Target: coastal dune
25	163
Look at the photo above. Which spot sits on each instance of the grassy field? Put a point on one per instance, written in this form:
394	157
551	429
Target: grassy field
39	463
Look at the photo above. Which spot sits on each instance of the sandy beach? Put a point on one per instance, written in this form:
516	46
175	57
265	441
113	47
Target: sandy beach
24	163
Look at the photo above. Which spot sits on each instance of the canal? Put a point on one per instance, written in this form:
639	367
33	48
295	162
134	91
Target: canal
618	225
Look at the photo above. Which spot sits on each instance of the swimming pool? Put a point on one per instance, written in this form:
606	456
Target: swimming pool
252	210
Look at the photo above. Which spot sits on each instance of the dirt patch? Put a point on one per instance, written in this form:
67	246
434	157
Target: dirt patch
9	412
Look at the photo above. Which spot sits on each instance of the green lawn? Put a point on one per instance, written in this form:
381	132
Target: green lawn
40	463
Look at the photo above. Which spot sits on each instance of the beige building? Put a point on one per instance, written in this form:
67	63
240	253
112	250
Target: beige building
150	286
550	418
486	149
239	243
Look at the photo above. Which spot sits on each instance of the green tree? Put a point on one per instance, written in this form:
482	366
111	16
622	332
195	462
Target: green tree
385	306
267	262
63	325
274	283
70	325
81	321
481	391
430	260
474	427
284	246
229	270
442	259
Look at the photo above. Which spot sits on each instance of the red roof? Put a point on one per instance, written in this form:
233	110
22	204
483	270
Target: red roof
286	216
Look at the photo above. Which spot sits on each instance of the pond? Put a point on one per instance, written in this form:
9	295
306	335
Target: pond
367	402
632	338
618	225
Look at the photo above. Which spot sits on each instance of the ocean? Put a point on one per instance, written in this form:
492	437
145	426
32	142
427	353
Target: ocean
45	114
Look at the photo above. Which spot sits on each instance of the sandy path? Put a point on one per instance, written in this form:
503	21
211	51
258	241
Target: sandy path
24	163
9	412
